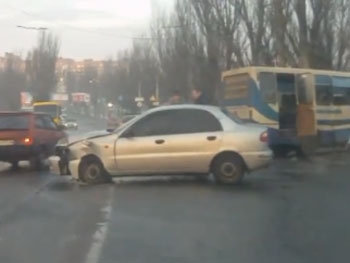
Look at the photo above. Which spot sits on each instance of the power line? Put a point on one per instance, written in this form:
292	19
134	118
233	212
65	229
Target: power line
33	28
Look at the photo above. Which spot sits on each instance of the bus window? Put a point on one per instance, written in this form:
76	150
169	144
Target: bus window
236	86
324	95
53	110
268	87
324	90
286	83
341	91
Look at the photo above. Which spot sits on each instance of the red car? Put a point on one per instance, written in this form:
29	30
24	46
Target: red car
28	136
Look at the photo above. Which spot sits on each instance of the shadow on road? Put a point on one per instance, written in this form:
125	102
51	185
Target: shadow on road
248	185
20	172
62	185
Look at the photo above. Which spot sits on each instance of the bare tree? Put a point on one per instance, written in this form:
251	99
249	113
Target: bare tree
284	49
342	35
42	66
227	13
191	45
12	82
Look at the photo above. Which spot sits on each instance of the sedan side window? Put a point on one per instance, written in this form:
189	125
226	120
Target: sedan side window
158	123
196	121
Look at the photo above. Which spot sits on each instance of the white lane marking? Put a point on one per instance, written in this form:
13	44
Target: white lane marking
100	234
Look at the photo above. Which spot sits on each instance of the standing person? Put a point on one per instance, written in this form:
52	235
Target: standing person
175	98
198	97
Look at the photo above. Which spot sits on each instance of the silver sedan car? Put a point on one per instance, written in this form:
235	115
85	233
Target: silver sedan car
181	139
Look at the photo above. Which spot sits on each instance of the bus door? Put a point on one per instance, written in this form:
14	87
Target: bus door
306	113
287	101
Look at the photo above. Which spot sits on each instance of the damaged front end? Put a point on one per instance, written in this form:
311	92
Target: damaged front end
59	163
68	156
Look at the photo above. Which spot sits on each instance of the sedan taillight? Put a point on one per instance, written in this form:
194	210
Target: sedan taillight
264	137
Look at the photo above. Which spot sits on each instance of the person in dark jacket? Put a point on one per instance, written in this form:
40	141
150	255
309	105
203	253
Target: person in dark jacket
199	97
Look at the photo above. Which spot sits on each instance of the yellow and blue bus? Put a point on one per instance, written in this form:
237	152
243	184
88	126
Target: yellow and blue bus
303	108
54	109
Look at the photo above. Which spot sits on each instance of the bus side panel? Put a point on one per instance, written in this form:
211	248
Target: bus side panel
342	125
268	115
325	131
333	125
265	111
239	106
253	108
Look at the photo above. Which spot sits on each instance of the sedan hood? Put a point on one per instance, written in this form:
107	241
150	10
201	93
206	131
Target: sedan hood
89	135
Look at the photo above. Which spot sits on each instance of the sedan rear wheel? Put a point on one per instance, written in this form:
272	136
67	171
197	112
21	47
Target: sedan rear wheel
229	169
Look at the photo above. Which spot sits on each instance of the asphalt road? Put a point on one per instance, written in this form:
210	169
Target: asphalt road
295	211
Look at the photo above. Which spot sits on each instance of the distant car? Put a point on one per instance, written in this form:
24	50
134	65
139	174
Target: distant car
28	136
70	124
184	139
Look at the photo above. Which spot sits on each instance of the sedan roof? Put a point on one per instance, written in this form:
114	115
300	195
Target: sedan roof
185	106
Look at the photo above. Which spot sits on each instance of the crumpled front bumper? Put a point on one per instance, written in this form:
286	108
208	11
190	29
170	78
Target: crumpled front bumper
59	163
62	164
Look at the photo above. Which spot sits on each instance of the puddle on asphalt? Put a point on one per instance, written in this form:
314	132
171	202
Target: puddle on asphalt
62	185
162	179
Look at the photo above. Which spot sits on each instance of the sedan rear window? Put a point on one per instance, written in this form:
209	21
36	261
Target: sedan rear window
14	122
232	116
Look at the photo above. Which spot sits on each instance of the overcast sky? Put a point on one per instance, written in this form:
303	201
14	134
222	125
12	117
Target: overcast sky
86	28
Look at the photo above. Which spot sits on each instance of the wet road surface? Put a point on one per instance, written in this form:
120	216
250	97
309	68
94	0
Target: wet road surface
296	211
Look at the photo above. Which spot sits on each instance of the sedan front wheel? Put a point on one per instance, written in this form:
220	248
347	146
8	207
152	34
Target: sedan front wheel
92	172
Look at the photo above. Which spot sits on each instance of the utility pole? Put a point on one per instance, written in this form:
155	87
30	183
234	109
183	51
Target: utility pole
157	89
139	90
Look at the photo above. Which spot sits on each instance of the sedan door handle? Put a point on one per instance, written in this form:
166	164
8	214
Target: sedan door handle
211	138
160	141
